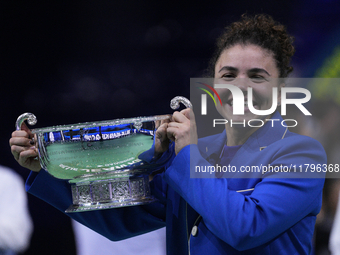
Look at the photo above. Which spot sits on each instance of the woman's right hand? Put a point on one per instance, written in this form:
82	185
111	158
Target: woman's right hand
161	141
23	149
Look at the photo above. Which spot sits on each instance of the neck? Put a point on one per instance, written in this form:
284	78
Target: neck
238	136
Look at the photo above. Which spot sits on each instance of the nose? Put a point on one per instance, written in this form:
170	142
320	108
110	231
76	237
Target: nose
242	83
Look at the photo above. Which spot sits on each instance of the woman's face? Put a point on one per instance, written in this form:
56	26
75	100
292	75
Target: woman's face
246	66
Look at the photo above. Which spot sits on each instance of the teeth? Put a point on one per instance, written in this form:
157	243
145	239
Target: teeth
245	103
232	103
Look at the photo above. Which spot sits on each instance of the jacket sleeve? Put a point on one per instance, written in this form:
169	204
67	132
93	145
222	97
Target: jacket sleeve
115	224
275	205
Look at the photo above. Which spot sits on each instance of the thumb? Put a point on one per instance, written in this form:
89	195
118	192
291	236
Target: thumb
189	113
186	112
25	128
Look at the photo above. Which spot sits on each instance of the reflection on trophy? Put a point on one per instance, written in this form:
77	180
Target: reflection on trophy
102	160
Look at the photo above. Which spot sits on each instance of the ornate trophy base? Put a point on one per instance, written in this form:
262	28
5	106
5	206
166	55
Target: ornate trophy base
109	190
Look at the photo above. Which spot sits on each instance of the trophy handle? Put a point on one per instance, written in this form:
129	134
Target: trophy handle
30	117
174	104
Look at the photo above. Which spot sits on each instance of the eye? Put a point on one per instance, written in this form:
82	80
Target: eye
258	78
228	76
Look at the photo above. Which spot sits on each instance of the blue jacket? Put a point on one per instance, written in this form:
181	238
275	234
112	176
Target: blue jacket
246	213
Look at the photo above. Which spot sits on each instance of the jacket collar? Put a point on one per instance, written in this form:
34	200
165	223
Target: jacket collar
271	132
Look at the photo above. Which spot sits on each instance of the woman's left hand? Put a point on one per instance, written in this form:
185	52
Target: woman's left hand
182	130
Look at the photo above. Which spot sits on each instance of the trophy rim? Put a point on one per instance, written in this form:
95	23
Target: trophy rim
132	120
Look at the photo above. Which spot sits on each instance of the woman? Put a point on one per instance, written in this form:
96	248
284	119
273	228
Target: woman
253	215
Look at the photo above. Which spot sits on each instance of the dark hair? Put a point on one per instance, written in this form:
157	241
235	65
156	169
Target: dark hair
260	30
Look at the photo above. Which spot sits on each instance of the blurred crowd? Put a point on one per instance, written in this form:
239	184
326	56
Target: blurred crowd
323	126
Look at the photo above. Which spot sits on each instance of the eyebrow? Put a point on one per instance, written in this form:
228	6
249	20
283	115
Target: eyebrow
228	68
258	70
253	70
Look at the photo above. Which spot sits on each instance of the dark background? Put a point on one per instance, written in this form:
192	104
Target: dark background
98	60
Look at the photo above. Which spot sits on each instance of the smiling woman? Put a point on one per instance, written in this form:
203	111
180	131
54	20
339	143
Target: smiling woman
247	66
252	53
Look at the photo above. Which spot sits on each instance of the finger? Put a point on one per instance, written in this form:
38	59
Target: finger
186	112
165	121
29	153
161	132
27	159
179	117
25	128
20	133
174	125
162	127
19	151
160	122
16	150
20	141
189	113
157	123
171	133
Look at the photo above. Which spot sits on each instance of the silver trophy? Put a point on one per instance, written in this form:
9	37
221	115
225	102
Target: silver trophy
103	161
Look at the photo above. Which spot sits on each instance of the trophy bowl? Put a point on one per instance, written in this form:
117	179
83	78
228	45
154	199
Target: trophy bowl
103	160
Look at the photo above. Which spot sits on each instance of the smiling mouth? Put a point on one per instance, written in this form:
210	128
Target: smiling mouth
231	103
